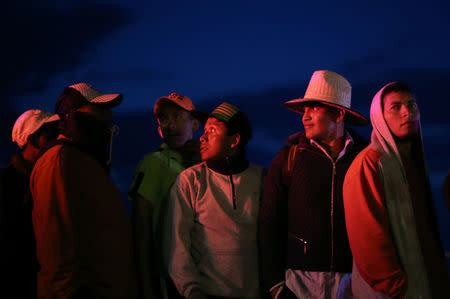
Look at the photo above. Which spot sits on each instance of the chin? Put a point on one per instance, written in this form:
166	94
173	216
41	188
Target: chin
310	136
174	144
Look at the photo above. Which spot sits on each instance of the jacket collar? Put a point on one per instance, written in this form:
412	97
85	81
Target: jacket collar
358	142
229	165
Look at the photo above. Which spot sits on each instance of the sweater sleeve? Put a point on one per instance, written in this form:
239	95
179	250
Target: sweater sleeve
368	228
272	224
182	267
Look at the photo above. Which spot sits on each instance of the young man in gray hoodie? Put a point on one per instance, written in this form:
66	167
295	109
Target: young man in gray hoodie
213	214
389	211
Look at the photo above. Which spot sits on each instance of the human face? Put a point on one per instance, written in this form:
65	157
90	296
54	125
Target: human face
320	122
101	113
401	114
176	125
215	143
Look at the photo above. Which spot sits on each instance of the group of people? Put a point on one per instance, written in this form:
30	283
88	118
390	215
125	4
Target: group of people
333	217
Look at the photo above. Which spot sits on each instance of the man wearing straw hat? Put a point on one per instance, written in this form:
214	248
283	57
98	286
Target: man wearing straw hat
303	240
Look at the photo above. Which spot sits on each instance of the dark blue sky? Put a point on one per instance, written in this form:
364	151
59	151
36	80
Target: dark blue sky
256	54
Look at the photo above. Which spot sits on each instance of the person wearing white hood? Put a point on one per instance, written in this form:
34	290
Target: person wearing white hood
390	217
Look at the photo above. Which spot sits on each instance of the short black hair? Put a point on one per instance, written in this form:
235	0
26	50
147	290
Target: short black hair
240	123
398	86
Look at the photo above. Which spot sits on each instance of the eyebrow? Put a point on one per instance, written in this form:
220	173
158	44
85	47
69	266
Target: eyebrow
400	102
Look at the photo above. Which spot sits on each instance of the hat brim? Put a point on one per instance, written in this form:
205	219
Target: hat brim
352	117
109	100
54	117
201	116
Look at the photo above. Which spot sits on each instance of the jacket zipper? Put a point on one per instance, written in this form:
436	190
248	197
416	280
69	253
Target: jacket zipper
332	217
233	190
331	210
304	242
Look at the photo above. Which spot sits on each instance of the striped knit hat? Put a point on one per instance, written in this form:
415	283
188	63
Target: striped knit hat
235	120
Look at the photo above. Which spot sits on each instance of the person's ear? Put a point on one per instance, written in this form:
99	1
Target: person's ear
236	139
195	125
160	132
340	115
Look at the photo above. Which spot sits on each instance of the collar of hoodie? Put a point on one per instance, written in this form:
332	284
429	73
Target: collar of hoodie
229	165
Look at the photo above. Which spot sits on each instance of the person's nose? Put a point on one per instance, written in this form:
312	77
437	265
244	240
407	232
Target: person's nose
306	115
405	111
170	123
203	138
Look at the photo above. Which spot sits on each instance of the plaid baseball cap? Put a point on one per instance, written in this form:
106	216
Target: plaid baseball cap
77	95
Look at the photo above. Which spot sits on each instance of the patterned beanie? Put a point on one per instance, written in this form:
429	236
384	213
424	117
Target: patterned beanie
235	120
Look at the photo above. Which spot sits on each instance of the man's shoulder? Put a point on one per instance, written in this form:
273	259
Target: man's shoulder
62	151
369	157
195	170
360	142
192	175
256	169
66	156
160	159
151	156
294	141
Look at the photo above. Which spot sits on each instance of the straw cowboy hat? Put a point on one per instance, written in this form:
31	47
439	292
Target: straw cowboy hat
331	89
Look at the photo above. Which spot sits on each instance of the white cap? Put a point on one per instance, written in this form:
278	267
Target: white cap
29	122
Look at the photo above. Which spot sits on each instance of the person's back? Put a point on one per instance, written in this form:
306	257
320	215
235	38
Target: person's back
83	233
82	229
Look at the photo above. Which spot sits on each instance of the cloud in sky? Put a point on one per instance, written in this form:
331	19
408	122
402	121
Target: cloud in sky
45	39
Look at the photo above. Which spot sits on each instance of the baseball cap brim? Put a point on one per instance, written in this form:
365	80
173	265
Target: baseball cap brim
352	117
197	114
54	117
110	100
